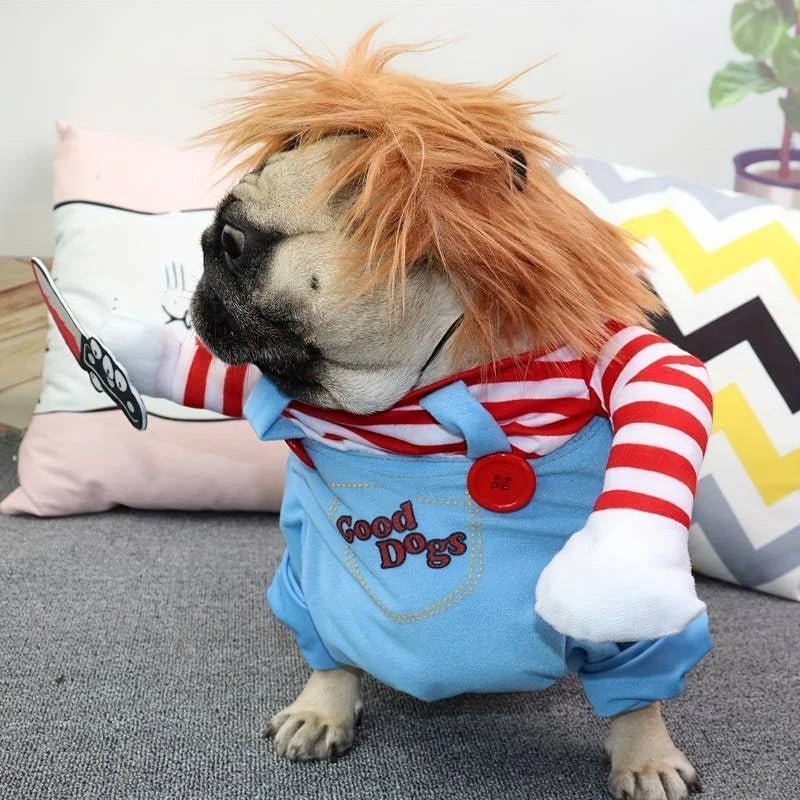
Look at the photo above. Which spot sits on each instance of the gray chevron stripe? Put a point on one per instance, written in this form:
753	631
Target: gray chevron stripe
608	181
749	565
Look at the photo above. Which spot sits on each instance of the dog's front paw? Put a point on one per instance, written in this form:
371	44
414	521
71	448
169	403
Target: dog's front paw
306	735
667	777
321	723
645	764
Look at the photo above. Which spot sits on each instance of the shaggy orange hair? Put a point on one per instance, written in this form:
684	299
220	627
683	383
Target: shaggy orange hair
432	169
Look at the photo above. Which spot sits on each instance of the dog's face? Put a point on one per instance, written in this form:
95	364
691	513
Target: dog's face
273	293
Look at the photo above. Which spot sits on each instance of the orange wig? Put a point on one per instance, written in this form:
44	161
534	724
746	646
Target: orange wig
431	173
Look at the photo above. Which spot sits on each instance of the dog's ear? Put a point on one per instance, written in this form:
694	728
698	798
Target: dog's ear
519	168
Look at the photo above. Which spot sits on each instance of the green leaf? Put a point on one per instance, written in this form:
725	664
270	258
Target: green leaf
736	80
791	108
755	30
762	5
786	61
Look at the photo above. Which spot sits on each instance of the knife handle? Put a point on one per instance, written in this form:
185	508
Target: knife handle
113	379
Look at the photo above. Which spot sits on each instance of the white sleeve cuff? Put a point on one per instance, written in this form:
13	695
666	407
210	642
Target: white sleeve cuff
626	576
148	352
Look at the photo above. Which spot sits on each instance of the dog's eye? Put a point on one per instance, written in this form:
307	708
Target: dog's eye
232	241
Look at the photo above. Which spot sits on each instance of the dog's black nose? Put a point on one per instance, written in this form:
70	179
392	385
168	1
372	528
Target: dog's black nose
232	241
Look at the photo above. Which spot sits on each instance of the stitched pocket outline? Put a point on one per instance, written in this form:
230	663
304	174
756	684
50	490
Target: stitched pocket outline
474	566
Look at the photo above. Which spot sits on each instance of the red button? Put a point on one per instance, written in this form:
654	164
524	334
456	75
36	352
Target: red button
501	482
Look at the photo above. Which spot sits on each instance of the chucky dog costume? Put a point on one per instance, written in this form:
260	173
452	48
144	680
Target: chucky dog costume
416	537
512	522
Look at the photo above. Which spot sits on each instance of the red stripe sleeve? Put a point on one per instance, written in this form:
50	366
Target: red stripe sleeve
664	373
620	361
661	414
233	391
619	498
195	394
655	459
657	394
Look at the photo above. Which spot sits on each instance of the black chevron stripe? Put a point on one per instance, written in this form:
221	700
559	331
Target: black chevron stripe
750	322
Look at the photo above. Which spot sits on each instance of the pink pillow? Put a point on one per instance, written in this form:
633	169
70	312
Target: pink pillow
128	218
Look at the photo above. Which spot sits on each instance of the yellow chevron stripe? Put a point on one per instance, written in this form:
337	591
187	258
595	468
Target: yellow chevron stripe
702	269
774	476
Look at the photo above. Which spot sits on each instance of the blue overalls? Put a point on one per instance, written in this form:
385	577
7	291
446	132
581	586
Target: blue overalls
390	566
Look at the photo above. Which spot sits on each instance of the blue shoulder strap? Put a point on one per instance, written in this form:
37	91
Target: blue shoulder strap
454	407
263	410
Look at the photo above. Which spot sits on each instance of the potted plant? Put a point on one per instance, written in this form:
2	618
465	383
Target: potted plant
767	31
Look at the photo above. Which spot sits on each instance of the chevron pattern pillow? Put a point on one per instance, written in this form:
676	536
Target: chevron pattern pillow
727	267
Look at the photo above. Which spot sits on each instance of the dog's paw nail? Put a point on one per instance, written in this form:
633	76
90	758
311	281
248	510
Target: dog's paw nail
695	786
359	716
333	753
273	726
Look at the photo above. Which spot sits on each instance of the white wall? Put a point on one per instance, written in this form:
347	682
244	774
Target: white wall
630	75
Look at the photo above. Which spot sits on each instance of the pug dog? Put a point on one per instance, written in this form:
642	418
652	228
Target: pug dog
393	232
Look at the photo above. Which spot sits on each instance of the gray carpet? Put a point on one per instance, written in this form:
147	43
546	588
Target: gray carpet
138	660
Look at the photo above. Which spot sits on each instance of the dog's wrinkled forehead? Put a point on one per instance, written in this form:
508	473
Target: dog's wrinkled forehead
283	193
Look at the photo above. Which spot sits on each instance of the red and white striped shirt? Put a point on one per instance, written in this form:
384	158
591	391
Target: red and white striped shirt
656	396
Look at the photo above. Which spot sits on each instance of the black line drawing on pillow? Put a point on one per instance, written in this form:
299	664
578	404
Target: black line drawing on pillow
179	283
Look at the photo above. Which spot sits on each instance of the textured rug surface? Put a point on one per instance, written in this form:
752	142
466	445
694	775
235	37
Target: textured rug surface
138	660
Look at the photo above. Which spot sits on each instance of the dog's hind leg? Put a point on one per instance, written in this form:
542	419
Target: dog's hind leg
645	764
321	722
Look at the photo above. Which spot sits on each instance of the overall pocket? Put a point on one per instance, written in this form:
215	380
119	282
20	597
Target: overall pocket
406	531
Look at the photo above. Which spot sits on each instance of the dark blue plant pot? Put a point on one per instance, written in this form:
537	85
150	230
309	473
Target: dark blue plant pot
751	181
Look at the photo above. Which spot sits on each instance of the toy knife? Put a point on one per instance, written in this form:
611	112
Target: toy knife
106	374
